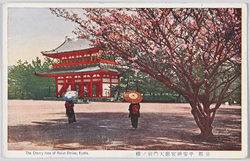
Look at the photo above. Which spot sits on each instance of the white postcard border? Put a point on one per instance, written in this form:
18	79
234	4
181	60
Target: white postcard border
128	154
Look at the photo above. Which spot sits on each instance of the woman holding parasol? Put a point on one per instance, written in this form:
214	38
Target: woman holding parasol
69	105
134	108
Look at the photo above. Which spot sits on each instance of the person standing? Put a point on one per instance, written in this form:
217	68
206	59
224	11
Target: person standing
134	114
69	105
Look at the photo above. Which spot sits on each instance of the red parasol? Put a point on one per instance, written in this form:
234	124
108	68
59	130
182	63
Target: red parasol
133	97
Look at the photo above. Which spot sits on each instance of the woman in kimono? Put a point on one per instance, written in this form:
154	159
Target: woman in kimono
134	113
69	105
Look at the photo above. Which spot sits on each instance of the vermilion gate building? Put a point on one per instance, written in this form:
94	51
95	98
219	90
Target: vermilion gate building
80	68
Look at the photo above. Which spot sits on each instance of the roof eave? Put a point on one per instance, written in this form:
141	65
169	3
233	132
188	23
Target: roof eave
45	53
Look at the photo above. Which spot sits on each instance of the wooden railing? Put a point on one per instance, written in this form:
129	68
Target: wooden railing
55	65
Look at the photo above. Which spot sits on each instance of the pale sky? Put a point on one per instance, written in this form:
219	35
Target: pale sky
32	30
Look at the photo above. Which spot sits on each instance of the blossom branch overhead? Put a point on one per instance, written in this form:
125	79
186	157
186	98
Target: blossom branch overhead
187	49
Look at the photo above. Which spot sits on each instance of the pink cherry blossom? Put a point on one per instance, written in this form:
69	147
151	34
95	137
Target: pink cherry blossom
184	48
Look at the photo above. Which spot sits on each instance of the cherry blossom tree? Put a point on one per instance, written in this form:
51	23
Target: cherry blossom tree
193	51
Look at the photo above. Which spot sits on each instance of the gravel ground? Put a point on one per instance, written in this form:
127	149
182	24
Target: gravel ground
42	125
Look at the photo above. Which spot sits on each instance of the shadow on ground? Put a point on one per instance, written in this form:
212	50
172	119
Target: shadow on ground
113	131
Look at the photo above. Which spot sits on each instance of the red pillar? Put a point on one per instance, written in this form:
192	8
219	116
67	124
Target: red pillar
73	83
64	83
81	92
91	85
101	82
110	85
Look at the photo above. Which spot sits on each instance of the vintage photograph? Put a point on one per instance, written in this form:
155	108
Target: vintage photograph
125	80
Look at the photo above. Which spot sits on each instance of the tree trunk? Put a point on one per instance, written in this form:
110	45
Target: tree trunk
118	93
49	91
127	85
137	85
203	121
153	97
35	96
178	98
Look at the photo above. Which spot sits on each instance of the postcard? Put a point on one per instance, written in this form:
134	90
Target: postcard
125	80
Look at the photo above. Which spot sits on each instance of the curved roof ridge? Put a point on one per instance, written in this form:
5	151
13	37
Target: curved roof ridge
71	44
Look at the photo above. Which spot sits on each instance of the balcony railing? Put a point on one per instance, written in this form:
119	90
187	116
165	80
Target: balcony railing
73	63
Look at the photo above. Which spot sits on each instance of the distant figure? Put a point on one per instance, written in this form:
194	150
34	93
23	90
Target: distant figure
134	113
69	105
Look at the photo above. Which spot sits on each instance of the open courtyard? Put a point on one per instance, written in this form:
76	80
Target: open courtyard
43	125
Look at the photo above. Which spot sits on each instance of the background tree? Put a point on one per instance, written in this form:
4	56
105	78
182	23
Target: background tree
195	52
24	84
151	89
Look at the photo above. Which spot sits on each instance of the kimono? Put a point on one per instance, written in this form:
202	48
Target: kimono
134	113
69	105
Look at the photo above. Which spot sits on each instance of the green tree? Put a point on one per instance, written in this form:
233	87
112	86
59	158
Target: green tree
151	89
24	84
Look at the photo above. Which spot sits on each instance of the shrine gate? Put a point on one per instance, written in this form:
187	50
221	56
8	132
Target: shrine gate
80	68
